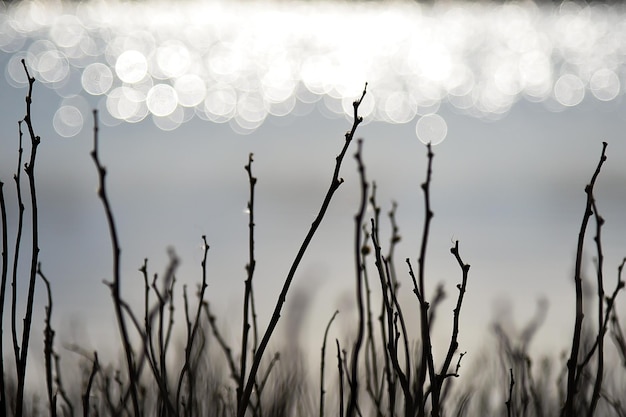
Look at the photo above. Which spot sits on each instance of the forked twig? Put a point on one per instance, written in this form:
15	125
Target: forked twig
334	185
572	363
115	286
21	352
358	260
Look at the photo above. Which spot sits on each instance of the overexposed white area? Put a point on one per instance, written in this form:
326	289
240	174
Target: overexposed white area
239	62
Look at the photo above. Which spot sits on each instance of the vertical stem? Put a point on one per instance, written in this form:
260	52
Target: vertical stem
29	168
115	286
334	185
248	285
3	283
427	356
568	408
601	326
322	392
358	219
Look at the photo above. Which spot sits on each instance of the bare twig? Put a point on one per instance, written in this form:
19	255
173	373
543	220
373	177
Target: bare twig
228	353
453	346
322	391
48	345
95	368
248	284
3	282
192	331
508	402
115	286
426	363
597	386
29	168
616	331
340	369
372	381
568	408
334	185
358	259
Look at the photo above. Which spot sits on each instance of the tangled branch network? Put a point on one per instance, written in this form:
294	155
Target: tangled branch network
236	63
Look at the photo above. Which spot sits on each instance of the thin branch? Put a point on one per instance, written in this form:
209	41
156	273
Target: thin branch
248	284
3	282
453	346
29	168
340	369
193	331
222	342
18	245
95	368
427	354
322	391
572	389
48	345
116	284
595	396
334	185
508	402
358	260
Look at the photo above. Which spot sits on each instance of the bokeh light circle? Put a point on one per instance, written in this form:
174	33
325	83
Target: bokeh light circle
67	121
569	90
97	79
131	66
14	71
191	90
398	107
604	85
53	67
125	103
162	100
221	104
432	129
228	65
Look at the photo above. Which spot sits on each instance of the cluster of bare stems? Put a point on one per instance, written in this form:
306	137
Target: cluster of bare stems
379	373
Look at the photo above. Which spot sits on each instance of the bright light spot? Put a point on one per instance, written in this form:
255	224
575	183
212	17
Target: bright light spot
53	67
535	71
221	104
14	71
251	110
399	107
316	74
282	108
225	62
67	31
569	90
131	66
431	61
124	103
10	40
431	129
162	100
97	79
191	90
604	85
67	121
277	83
237	62
173	59
167	123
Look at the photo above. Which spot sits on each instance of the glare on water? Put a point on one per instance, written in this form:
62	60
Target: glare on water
230	62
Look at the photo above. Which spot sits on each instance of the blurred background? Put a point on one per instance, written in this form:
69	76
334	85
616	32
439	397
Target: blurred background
517	98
